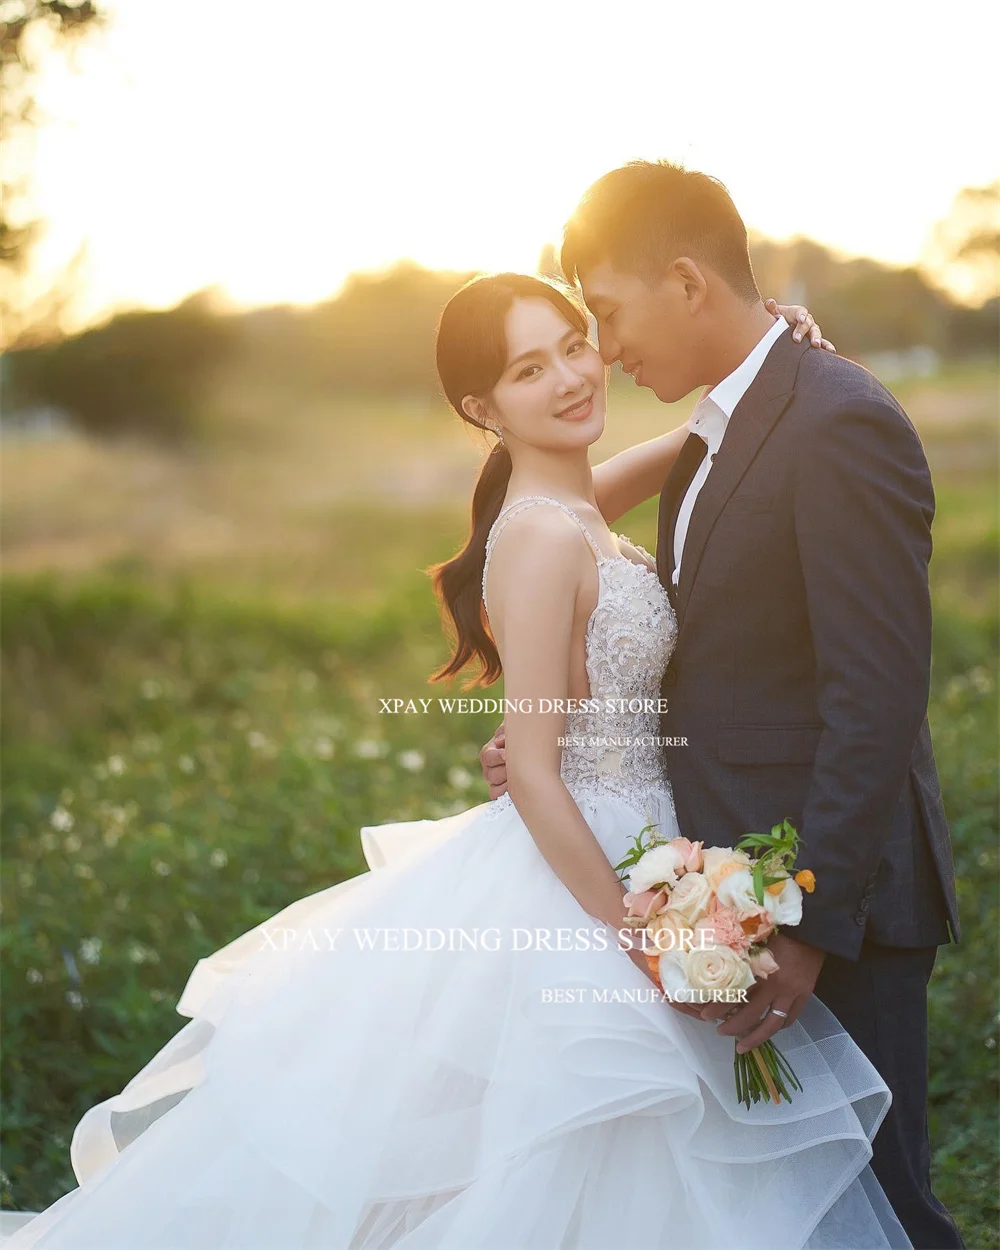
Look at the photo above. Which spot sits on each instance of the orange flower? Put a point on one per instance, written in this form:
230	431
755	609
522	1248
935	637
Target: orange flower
806	880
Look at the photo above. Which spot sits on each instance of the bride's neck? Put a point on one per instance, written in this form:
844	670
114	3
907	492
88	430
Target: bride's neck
564	477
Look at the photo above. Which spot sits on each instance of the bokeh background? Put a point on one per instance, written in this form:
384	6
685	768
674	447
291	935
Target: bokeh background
227	232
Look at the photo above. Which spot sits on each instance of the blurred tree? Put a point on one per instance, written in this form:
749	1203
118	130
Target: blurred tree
964	248
153	373
29	31
863	305
146	373
377	335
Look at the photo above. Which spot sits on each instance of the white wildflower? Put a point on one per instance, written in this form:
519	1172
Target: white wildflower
62	819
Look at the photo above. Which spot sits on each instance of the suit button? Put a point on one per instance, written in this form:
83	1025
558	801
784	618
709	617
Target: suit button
860	917
670	676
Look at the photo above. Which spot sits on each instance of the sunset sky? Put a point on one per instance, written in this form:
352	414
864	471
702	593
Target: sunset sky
270	150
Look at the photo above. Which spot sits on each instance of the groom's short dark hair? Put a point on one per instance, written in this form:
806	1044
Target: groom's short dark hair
641	217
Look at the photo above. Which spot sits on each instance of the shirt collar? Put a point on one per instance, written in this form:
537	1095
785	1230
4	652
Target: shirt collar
728	393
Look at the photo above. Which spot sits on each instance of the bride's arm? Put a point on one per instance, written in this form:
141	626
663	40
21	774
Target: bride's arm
536	572
636	474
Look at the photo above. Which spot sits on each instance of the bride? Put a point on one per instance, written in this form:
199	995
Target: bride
453	1050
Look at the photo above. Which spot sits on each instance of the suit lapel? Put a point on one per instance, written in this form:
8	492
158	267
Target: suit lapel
752	421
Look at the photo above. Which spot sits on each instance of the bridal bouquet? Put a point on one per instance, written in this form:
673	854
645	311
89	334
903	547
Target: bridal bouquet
709	913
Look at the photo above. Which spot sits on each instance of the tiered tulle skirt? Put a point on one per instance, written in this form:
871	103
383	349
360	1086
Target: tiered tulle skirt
329	1093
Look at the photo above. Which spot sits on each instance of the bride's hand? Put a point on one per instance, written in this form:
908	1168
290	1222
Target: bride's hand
801	318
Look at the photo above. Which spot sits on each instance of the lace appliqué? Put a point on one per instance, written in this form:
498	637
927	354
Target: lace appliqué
613	748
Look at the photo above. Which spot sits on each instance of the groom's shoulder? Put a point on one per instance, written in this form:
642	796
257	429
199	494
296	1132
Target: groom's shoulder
828	381
830	387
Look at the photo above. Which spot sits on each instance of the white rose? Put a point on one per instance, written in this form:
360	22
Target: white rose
691	897
658	866
736	890
786	906
673	975
719	860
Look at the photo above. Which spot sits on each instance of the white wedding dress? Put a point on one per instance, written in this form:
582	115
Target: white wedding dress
362	1099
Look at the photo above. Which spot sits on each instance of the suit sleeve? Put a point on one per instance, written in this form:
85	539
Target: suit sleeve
863	509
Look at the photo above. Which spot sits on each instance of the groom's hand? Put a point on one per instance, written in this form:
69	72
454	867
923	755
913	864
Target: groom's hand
493	762
787	990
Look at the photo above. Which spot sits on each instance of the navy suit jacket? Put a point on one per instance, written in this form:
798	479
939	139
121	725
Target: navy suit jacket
801	672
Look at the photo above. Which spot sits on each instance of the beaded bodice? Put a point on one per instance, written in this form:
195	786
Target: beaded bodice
612	745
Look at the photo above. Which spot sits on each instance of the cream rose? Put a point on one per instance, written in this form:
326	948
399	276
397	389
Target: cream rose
693	976
671	931
719	861
659	866
690	897
719	969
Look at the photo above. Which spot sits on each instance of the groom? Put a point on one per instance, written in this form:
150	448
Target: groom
794	538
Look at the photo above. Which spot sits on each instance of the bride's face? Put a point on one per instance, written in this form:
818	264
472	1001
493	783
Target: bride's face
553	392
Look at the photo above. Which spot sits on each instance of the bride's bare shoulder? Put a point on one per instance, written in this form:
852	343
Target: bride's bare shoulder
541	529
541	545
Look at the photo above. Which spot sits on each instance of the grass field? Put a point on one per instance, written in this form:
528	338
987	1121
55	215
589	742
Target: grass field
193	654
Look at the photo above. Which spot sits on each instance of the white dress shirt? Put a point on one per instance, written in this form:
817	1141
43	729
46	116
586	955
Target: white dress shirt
710	421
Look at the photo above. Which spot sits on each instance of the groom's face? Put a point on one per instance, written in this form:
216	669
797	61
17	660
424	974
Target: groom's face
648	327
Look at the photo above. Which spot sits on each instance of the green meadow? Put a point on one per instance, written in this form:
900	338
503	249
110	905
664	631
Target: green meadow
194	648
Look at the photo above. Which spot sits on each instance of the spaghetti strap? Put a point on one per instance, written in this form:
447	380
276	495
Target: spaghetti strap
520	505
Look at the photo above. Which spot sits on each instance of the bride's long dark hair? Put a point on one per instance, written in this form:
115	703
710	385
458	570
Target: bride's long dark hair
472	354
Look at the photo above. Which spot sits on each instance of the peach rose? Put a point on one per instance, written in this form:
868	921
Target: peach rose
690	852
645	904
758	925
671	931
720	861
763	964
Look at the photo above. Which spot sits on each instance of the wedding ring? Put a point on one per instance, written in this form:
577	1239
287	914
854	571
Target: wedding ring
776	1011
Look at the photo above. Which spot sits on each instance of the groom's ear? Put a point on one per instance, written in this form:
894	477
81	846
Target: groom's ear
691	282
